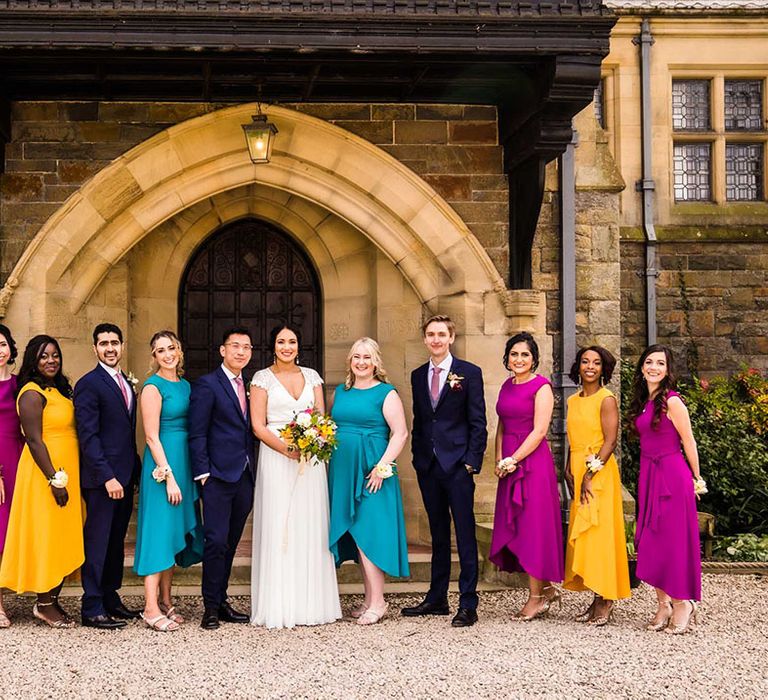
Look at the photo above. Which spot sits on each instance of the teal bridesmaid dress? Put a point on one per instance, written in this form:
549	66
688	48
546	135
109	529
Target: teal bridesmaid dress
166	534
373	522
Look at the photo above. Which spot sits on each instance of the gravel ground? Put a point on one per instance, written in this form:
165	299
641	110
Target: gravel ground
421	658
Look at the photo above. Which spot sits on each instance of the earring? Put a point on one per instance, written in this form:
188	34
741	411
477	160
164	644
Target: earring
297	359
580	381
602	380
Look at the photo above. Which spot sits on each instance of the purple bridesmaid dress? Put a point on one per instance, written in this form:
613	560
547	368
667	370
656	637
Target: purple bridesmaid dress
527	530
667	535
11	444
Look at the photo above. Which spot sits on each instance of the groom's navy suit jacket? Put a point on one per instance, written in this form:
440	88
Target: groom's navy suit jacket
455	430
221	440
106	431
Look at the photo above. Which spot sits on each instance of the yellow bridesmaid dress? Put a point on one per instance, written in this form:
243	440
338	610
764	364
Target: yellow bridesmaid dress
44	543
596	553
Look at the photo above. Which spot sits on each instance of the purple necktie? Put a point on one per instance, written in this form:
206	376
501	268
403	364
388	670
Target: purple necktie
240	393
435	387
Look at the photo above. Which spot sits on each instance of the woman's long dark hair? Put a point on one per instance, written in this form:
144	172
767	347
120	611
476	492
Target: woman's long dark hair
30	372
640	389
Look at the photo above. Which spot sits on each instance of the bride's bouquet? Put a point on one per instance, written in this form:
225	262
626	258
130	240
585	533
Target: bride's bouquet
312	433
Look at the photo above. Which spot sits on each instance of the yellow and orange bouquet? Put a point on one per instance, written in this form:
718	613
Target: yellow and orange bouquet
313	433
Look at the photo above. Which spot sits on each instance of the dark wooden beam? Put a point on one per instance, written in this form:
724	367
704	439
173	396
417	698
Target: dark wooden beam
5	128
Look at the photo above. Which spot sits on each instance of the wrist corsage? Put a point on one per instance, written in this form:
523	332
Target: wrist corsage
59	480
594	464
160	474
508	464
700	487
385	469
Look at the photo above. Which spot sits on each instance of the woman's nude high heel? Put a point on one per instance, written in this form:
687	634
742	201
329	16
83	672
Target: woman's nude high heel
690	623
661	624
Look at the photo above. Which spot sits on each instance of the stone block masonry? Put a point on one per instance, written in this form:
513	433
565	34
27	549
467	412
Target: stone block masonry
55	147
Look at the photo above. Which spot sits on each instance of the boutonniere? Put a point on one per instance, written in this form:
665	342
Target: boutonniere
133	380
454	381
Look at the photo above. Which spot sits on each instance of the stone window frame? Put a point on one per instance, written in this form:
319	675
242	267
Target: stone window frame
717	136
609	84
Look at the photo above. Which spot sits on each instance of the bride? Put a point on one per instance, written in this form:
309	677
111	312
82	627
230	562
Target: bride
293	576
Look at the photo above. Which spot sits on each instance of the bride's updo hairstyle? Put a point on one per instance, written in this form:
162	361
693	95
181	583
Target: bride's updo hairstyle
372	347
277	330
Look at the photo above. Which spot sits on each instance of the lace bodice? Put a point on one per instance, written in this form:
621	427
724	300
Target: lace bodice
281	406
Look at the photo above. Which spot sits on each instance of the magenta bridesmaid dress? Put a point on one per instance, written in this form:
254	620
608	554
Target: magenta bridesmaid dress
527	531
11	444
667	535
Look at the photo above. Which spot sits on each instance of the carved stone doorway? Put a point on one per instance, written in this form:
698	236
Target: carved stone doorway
252	274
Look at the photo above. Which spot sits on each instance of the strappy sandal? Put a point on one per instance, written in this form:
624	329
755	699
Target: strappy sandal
57	605
359	611
690	623
66	623
5	623
587	614
160	623
371	616
657	626
602	620
171	614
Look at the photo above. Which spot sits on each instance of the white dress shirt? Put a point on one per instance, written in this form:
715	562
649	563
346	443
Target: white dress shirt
117	375
232	378
445	366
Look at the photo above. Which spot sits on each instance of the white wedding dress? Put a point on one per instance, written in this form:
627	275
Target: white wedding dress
293	576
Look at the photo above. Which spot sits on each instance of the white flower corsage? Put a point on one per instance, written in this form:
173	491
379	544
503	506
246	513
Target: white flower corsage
594	464
385	469
59	480
133	380
160	474
454	381
508	464
700	487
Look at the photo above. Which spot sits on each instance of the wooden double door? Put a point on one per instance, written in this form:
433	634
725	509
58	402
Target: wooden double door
249	273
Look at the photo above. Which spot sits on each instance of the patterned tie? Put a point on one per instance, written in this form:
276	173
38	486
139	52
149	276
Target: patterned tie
435	387
241	392
123	390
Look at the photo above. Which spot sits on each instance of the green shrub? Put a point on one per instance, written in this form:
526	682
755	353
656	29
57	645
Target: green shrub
729	416
741	548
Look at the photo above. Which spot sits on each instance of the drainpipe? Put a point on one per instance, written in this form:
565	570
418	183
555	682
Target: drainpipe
647	185
567	301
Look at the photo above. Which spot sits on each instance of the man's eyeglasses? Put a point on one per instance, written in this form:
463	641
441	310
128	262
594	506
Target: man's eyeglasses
239	346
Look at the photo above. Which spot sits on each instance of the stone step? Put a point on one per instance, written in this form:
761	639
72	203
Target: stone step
349	573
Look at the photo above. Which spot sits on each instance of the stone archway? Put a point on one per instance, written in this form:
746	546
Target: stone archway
357	181
351	205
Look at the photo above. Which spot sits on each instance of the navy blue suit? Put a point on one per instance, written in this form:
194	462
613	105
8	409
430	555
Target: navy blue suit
445	439
106	432
222	445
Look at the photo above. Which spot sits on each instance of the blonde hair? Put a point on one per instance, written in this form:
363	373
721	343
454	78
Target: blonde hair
170	335
378	365
439	318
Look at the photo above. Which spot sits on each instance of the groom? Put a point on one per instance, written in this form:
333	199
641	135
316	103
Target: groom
221	445
448	441
105	416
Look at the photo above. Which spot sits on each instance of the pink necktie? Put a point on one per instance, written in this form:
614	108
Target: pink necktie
240	393
124	391
435	388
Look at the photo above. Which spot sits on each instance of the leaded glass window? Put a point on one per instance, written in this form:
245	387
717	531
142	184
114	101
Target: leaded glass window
743	105
600	104
692	172
690	105
743	172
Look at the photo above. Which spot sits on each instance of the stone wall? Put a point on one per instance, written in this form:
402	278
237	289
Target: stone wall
712	297
56	146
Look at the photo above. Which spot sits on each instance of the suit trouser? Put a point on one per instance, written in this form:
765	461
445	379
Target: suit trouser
106	523
225	509
447	494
